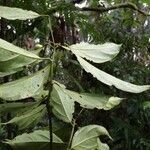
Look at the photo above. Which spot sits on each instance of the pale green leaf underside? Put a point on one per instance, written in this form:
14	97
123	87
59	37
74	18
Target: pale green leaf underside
63	106
35	140
102	146
9	51
17	13
97	53
111	80
63	102
92	101
87	138
15	64
28	118
25	87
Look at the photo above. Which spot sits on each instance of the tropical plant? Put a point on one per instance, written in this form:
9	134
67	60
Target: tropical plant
30	98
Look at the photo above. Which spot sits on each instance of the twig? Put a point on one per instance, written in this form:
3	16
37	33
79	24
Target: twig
48	102
118	6
72	133
49	107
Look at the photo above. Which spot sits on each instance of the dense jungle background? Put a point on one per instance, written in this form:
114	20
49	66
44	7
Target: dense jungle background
129	122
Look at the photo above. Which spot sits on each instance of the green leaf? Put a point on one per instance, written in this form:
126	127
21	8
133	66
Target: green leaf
25	87
63	106
9	51
86	138
6	73
97	53
146	1
146	105
16	64
63	101
29	118
92	101
111	80
102	146
14	107
17	13
37	140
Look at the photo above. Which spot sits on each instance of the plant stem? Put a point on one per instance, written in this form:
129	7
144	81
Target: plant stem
72	133
48	103
48	99
49	112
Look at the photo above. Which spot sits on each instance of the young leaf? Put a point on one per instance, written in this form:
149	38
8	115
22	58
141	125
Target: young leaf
97	53
9	51
87	137
25	87
111	80
63	106
17	13
37	140
28	118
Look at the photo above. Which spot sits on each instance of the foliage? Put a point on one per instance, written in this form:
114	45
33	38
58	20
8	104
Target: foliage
47	93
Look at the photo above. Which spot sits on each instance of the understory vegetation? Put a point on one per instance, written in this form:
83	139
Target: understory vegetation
74	75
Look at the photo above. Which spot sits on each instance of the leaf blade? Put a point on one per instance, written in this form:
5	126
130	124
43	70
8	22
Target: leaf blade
38	139
111	80
25	87
87	137
12	13
97	53
63	106
13	50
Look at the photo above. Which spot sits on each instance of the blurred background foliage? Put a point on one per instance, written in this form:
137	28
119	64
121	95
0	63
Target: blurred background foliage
129	123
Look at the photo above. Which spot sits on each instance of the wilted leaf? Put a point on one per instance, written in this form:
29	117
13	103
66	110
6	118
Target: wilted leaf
17	13
86	138
25	87
97	53
37	140
29	118
111	80
63	106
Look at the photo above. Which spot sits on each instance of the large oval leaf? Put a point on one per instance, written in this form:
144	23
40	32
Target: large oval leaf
25	87
110	80
86	138
97	53
17	13
63	101
63	106
37	140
